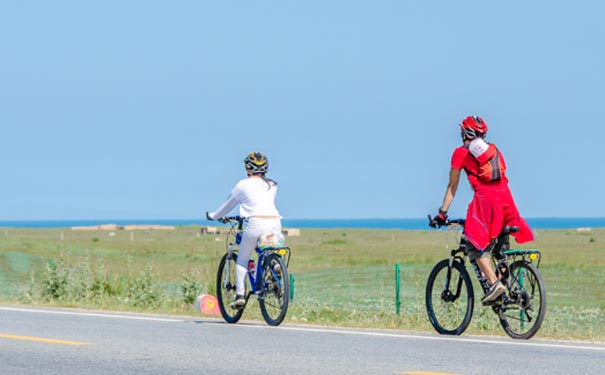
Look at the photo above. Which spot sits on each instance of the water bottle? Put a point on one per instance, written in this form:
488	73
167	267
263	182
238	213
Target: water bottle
238	237
251	266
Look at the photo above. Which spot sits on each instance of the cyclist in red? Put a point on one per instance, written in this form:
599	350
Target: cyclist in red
492	207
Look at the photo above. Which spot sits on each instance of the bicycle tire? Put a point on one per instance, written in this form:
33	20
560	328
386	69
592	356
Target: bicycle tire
275	294
527	293
448	314
226	292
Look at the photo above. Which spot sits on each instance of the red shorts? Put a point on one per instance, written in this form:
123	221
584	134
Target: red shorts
488	213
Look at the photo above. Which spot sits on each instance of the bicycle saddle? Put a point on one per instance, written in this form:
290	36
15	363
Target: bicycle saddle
510	229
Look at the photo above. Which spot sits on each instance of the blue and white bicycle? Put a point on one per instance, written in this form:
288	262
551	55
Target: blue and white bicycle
267	279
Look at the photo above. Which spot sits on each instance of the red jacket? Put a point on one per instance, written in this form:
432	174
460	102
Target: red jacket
492	207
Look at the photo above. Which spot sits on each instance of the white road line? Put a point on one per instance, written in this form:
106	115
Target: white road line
437	338
597	347
115	316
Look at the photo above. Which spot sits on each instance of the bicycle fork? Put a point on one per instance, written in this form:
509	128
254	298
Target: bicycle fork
228	269
447	295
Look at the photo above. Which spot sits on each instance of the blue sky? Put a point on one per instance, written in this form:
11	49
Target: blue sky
146	109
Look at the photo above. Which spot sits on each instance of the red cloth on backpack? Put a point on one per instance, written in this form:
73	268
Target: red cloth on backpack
492	207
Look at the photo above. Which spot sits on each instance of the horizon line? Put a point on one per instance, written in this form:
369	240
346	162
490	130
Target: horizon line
290	218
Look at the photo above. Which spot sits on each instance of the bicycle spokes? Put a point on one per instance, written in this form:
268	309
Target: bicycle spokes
225	288
523	312
449	312
275	292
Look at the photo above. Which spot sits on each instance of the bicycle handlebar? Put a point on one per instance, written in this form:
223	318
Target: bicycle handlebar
231	219
460	222
447	223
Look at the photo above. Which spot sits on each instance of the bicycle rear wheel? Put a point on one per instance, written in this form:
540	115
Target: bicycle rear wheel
225	288
449	298
275	295
523	313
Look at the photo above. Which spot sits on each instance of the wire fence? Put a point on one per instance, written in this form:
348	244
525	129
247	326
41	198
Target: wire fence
355	288
574	287
375	288
575	302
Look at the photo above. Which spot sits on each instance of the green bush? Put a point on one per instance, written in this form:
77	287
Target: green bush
191	288
68	282
55	281
144	291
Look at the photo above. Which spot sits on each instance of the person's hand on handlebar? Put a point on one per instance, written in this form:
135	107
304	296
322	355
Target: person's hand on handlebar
439	220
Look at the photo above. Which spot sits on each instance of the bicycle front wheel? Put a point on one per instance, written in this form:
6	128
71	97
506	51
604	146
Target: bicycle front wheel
275	292
449	298
225	288
522	315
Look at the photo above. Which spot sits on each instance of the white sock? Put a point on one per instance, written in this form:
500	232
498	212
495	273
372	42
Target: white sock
240	273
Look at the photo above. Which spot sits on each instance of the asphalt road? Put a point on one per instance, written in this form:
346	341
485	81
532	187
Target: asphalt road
64	341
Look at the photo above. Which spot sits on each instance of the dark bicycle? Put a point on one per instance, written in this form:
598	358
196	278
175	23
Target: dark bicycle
450	298
268	278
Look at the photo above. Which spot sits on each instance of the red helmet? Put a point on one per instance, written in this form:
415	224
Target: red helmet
473	127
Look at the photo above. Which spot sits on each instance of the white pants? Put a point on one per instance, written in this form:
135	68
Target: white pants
256	227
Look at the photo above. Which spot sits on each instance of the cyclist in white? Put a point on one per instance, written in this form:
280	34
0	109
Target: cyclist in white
255	196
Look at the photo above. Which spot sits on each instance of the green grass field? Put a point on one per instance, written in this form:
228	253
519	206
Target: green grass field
342	277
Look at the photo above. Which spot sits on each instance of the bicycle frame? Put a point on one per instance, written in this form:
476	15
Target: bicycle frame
268	279
450	289
254	275
502	256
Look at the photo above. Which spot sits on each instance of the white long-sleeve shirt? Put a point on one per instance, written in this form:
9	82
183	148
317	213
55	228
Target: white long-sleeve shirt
254	198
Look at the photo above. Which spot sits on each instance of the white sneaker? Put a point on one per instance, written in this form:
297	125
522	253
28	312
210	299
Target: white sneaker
495	291
238	301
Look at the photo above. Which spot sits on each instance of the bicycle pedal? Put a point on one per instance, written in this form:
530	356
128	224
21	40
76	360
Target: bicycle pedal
497	302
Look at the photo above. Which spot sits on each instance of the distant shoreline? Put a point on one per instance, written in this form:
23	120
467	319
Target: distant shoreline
405	224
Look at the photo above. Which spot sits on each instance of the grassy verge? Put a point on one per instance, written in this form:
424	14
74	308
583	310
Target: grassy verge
342	277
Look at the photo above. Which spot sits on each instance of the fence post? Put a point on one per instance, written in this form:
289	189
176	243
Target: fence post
292	286
397	287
